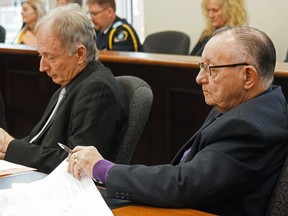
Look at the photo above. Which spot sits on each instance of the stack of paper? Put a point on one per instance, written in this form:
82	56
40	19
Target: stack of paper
8	168
57	194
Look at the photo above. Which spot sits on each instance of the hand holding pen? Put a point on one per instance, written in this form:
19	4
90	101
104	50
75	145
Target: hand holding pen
70	151
83	159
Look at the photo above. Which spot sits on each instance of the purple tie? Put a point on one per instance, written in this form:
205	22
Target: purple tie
185	155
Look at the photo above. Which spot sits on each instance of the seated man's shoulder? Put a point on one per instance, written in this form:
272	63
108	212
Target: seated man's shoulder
122	28
123	36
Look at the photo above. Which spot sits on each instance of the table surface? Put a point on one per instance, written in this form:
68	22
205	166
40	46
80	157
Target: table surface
137	210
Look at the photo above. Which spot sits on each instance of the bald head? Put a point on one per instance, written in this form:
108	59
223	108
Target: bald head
252	46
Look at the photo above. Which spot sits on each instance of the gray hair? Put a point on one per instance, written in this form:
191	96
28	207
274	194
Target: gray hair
72	27
255	48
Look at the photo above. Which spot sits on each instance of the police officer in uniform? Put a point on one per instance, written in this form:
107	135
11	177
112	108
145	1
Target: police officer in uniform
113	33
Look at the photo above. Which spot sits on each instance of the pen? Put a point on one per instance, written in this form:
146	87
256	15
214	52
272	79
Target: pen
67	149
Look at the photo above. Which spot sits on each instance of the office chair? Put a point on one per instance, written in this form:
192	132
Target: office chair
2	34
140	98
278	204
167	42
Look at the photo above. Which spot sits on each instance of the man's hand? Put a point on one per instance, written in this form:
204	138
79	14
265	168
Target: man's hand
5	140
83	158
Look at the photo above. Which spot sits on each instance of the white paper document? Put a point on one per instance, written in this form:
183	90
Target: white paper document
58	194
8	168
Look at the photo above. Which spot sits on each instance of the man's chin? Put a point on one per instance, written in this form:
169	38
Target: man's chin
209	102
55	80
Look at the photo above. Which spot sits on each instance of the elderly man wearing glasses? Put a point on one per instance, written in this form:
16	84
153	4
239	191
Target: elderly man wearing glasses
113	33
230	165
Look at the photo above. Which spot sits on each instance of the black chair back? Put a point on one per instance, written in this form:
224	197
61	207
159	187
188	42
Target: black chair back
167	42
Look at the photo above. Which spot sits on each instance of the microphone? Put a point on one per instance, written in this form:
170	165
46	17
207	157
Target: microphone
23	25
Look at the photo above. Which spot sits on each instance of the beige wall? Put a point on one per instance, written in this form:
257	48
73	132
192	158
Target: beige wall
185	15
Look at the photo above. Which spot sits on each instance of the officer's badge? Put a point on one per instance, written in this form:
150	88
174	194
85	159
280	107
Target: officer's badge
121	36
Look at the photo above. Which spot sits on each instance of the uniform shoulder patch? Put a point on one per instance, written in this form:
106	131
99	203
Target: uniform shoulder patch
121	36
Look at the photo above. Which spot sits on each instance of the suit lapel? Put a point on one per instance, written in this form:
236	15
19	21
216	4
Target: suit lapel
191	143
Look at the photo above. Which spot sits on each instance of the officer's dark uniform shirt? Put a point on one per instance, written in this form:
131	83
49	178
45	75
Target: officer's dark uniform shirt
119	37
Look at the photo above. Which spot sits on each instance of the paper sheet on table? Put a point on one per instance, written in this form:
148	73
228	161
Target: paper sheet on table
58	194
8	168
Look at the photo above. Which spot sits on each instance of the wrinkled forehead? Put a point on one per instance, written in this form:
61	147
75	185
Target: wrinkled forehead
47	42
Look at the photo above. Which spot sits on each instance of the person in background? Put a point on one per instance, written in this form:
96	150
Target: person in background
92	108
32	11
2	34
286	60
230	165
65	2
113	33
219	13
2	113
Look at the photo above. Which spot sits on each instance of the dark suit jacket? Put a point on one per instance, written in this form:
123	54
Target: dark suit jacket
231	168
94	112
2	113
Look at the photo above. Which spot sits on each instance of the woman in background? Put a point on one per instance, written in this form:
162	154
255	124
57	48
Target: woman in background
32	11
219	13
65	2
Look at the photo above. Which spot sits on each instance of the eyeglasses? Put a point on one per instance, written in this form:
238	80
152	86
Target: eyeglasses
94	14
208	72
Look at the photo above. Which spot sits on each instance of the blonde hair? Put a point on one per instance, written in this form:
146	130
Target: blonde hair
38	6
234	13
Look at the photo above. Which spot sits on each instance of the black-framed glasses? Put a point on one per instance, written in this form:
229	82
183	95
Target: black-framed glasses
94	14
207	68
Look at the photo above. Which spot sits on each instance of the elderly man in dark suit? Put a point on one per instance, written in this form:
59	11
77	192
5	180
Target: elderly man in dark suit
88	109
230	165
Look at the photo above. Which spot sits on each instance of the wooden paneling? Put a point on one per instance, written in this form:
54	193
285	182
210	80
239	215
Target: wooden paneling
25	90
178	108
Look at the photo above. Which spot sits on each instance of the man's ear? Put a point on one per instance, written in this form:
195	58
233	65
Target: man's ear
81	54
250	76
110	11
